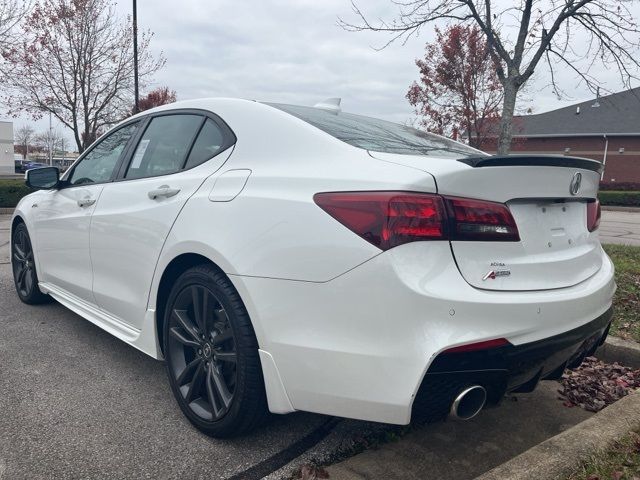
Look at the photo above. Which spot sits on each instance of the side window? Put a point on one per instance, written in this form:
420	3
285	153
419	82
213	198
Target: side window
164	146
209	142
98	165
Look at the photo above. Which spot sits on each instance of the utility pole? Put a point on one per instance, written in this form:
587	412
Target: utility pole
136	107
50	142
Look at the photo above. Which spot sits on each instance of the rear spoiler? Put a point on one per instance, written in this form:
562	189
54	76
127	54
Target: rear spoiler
533	161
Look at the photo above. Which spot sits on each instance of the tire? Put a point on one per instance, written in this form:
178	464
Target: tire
215	376
25	277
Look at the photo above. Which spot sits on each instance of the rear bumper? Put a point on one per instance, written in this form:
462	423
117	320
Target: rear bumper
507	368
361	345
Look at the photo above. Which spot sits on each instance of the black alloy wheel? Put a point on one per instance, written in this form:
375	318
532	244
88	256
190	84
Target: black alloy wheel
24	268
212	355
203	352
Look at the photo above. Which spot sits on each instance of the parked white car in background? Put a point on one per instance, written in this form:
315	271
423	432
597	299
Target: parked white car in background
289	258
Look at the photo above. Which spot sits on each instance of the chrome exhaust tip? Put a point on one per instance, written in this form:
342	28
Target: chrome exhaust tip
469	402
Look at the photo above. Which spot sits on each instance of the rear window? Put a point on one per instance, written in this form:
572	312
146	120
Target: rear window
164	145
208	144
378	135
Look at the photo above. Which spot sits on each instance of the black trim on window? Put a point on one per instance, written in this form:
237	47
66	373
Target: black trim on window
227	134
533	161
123	163
192	143
64	182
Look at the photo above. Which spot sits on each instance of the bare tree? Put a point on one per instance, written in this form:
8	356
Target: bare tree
11	12
50	140
76	62
523	33
23	137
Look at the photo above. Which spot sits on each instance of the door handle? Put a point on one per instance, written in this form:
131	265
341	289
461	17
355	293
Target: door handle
163	192
86	202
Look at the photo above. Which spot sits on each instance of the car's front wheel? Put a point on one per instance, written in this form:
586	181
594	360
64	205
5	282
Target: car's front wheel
211	354
23	264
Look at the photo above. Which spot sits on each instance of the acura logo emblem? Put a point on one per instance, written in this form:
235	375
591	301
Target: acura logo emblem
576	181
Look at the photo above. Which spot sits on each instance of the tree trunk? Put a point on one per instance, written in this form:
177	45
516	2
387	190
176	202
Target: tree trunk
506	121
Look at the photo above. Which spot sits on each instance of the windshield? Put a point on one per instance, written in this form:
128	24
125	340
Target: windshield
378	135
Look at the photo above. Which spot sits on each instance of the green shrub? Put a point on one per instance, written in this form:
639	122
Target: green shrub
11	191
626	186
621	199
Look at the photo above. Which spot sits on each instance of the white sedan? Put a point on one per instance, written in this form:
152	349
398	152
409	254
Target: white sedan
282	258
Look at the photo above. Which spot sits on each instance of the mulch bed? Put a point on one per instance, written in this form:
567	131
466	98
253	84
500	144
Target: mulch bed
595	384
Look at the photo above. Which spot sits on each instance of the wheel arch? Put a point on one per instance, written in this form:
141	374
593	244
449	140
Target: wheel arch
277	397
171	272
20	217
16	220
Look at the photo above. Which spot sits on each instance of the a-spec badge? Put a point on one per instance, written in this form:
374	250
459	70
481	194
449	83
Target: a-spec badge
493	274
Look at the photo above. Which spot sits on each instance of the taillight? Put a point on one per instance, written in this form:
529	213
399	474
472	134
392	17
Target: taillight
480	220
593	215
389	219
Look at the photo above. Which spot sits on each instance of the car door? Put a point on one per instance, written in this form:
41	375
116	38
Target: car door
62	217
134	215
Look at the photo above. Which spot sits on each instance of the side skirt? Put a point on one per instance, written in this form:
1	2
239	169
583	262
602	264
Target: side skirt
144	340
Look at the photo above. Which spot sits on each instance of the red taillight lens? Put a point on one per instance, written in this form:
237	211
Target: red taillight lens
474	347
593	215
480	220
389	219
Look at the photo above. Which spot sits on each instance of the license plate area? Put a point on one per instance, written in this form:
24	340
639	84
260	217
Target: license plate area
549	225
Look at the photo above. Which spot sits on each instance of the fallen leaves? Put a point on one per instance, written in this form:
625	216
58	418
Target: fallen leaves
310	471
620	462
595	384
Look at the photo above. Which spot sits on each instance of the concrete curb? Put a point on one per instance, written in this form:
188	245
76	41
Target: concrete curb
6	211
619	350
613	208
559	456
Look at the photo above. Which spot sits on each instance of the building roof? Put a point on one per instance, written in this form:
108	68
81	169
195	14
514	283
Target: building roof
618	113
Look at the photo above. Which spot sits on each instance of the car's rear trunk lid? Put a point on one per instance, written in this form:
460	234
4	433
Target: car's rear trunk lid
555	250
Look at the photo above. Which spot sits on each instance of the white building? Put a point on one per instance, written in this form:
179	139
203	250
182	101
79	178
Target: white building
6	148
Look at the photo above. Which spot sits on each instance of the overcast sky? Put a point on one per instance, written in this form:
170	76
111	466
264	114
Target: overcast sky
294	51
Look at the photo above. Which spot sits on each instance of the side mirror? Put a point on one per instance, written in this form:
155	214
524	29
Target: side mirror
43	178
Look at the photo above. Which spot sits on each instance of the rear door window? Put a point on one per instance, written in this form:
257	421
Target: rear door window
164	146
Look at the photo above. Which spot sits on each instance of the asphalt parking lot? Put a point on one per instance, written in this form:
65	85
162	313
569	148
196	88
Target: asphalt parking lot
619	227
78	403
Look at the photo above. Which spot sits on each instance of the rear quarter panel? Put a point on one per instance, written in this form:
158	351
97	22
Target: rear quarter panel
273	228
